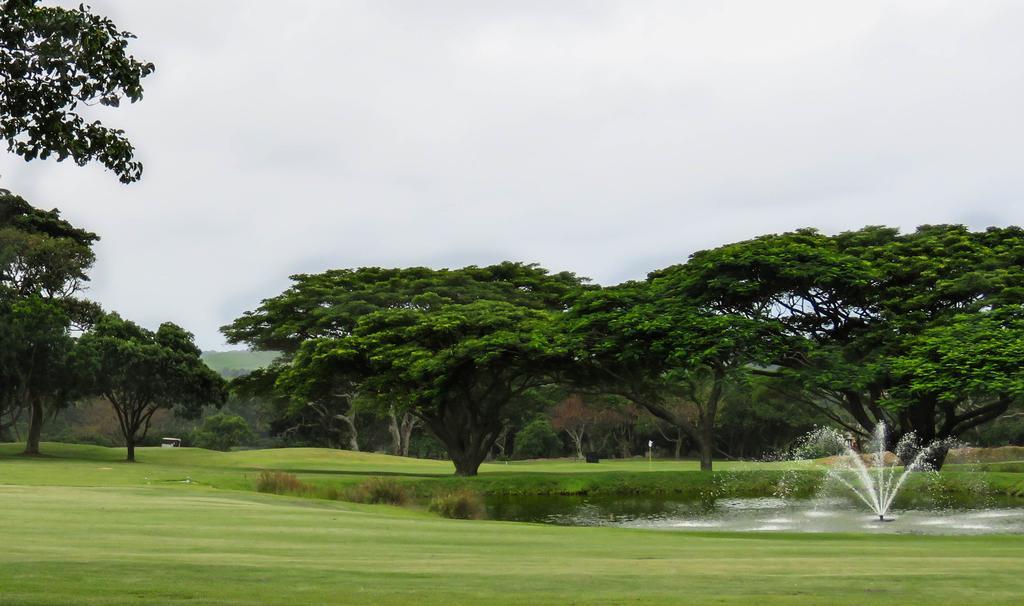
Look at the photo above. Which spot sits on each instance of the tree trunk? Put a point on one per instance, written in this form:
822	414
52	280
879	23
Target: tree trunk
706	450
679	444
577	441
130	442
396	433
466	464
707	418
935	459
408	424
401	432
35	428
467	446
353	434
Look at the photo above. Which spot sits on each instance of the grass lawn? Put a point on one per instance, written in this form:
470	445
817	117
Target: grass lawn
83	528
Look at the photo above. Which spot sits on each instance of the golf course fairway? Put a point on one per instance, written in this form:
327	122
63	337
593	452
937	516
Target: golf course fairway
147	538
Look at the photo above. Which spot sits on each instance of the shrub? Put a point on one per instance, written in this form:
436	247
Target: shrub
460	505
380	491
537	440
279	482
222	432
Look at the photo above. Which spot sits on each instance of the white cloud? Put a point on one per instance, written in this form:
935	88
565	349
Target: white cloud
607	138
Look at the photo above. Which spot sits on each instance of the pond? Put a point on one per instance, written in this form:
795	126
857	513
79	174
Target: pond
985	516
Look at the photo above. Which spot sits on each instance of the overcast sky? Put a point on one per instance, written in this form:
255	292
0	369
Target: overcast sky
605	138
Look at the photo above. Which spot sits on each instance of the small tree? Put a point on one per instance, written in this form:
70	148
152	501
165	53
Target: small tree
222	432
537	440
575	418
139	372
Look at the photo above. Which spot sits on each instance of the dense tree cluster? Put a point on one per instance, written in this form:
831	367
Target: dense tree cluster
57	348
738	349
735	352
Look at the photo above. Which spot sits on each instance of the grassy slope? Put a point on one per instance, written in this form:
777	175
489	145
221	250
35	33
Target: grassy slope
99	534
81	465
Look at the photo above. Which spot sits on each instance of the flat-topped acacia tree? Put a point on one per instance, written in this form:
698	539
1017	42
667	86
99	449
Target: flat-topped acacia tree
885	327
139	371
462	369
458	349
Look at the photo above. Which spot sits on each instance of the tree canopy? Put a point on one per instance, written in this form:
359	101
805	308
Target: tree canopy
856	302
659	346
915	330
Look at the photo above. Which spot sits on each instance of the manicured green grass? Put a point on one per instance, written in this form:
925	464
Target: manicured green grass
81	527
166	545
79	465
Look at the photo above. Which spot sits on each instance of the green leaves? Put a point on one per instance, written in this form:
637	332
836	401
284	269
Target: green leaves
51	60
40	253
978	355
330	304
145	369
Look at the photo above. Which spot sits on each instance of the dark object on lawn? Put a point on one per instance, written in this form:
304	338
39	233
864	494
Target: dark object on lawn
593	458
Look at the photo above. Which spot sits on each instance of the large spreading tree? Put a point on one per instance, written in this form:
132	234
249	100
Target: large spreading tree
55	62
857	302
455	348
462	369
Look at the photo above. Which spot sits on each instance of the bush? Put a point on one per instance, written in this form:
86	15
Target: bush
459	505
537	440
279	482
222	432
380	491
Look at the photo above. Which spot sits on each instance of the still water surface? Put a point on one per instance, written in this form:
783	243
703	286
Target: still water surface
759	514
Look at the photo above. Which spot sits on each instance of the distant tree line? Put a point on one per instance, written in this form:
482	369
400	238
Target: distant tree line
734	353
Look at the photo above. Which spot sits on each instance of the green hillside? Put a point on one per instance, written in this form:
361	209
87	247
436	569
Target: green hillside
234	363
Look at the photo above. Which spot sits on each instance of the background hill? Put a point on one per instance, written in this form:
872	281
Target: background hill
236	363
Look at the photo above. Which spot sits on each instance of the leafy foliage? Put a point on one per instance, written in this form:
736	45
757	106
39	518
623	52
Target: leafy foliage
52	60
43	264
462	504
857	302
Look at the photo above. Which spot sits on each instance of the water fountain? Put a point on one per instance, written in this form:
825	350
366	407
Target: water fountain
875	476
